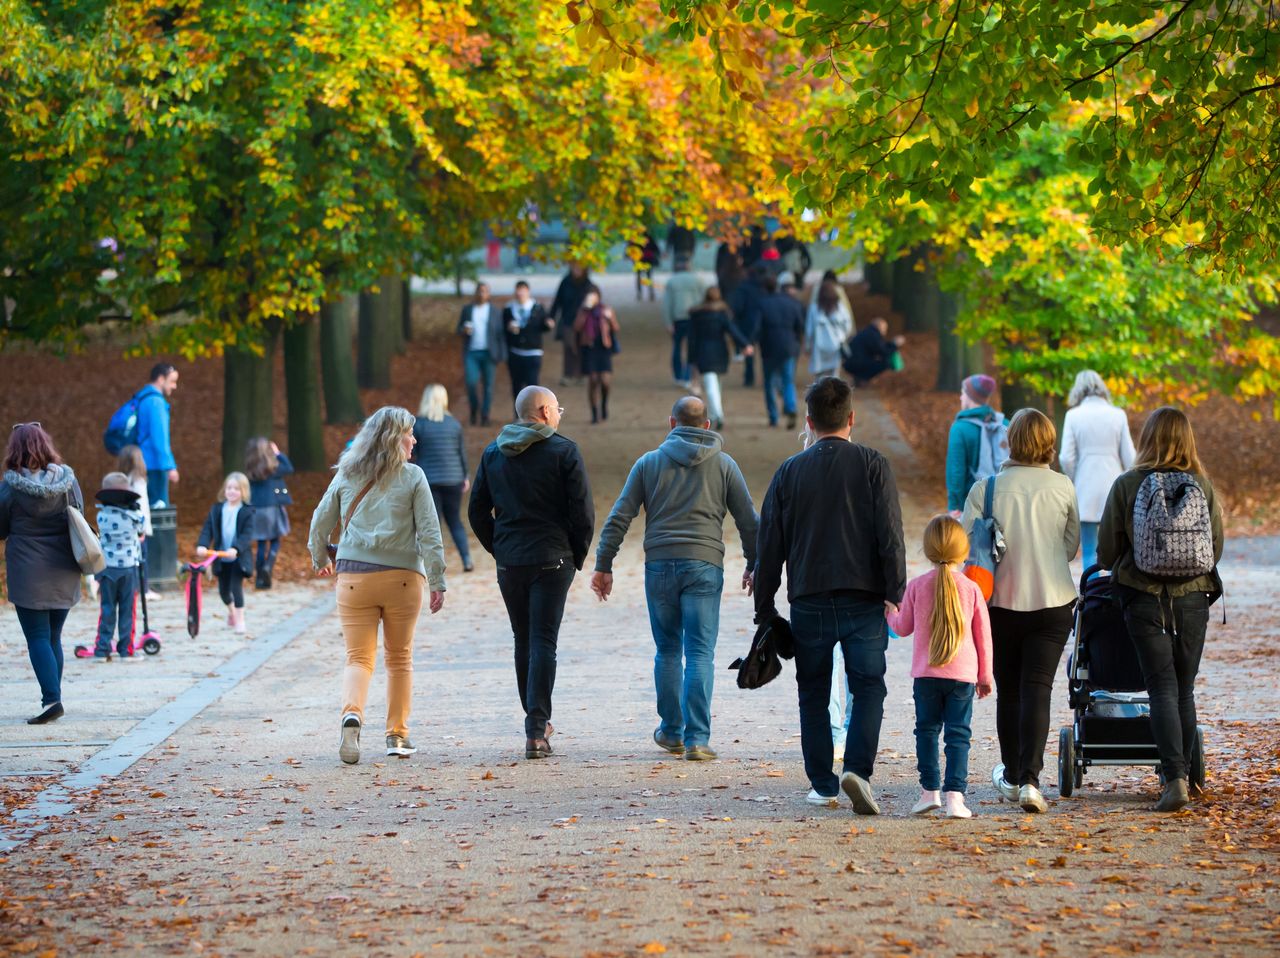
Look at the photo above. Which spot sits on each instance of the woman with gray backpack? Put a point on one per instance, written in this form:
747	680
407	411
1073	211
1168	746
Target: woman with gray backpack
1161	536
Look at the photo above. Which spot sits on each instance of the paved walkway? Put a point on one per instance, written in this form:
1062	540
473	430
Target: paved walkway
241	833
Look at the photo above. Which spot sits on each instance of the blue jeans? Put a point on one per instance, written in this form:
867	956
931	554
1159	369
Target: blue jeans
679	336
1089	543
158	486
946	706
448	508
780	377
858	628
684	614
43	631
477	370
117	597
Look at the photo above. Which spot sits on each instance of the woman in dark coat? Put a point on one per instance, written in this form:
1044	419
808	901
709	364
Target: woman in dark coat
43	576
564	310
596	329
440	451
266	466
710	329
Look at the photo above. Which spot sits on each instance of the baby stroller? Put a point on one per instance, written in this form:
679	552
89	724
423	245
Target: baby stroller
1107	694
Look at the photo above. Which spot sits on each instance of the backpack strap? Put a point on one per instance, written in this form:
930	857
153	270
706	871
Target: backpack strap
988	498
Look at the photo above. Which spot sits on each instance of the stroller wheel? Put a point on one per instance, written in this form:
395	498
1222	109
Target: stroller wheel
151	645
1196	769
1066	762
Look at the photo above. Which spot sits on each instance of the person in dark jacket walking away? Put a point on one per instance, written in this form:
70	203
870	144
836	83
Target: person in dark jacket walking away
229	528
832	517
531	509
526	322
684	290
780	335
1166	617
484	345
153	432
266	466
43	576
871	351
964	442
440	451
744	303
686	486
120	526
710	329
564	311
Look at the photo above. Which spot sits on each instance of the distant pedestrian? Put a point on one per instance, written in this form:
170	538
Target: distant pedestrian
131	462
649	255
266	466
120	535
951	660
977	445
827	327
745	306
484	346
531	510
872	352
711	329
832	518
153	432
1096	449
43	575
686	487
525	322
564	310
682	242
1166	578
388	543
831	276
780	335
1031	603
229	528
730	270
597	331
684	291
440	451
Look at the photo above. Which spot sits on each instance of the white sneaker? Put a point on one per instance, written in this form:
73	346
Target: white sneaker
349	739
1031	800
1007	792
928	802
859	791
825	801
956	808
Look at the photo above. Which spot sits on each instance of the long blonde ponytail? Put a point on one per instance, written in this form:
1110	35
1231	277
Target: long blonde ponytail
946	546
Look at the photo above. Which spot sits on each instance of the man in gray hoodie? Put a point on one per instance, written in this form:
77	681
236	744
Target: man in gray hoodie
686	486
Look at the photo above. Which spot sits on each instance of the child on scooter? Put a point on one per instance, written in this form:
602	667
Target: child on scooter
229	529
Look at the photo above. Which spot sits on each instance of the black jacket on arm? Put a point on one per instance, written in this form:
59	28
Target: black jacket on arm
531	502
832	516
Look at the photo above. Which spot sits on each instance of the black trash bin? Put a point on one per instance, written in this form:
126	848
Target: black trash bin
162	548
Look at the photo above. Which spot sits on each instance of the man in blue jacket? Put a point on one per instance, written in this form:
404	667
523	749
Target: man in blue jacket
964	444
153	432
686	487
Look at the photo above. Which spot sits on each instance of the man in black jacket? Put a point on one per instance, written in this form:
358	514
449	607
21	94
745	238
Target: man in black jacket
780	335
531	509
525	321
832	516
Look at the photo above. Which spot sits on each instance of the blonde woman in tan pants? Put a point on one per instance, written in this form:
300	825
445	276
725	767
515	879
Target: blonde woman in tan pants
389	543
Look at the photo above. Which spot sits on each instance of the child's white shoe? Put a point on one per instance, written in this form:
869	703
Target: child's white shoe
955	806
928	802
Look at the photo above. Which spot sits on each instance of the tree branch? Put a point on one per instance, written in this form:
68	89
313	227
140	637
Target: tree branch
1136	45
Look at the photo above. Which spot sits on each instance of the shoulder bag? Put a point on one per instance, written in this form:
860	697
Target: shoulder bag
84	541
332	547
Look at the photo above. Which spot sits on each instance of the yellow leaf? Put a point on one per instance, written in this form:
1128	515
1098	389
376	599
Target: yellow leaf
971	108
654	948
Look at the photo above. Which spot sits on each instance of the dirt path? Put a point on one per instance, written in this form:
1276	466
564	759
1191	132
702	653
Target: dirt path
244	835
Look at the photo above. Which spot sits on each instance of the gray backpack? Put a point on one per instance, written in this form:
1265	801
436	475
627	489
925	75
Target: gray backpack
1172	529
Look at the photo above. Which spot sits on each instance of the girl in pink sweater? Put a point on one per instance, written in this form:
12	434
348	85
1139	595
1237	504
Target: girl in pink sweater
952	655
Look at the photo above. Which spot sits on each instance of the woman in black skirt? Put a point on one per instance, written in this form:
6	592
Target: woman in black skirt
266	466
596	328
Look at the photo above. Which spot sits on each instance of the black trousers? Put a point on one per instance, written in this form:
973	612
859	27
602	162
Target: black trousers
1026	648
534	596
1169	643
231	584
524	370
449	507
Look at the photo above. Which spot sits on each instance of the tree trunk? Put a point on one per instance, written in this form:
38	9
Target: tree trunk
302	394
1015	396
338	363
879	277
899	284
406	311
919	292
956	358
247	407
376	342
392	293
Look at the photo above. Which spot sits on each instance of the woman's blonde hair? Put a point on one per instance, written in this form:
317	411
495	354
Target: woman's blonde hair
946	546
435	403
241	480
260	461
1088	383
1032	437
376	451
1167	442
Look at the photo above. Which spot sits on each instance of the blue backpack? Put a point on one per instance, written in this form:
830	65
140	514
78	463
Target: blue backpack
122	430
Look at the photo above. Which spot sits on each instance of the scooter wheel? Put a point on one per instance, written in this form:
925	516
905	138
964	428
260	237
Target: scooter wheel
84	652
151	646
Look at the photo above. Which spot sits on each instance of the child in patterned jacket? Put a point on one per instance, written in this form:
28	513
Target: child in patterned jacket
120	525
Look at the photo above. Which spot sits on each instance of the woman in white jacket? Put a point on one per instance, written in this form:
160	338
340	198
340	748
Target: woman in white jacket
828	325
1096	449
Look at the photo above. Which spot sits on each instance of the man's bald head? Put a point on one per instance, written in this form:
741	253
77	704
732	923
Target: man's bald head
531	400
689	411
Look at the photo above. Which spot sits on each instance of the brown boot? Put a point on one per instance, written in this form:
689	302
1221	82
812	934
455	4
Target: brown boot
1174	796
536	748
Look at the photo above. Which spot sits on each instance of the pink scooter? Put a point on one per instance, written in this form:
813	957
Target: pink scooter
149	641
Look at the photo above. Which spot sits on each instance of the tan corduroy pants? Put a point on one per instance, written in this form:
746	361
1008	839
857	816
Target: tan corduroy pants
394	598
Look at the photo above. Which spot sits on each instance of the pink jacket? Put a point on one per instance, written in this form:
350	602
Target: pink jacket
973	662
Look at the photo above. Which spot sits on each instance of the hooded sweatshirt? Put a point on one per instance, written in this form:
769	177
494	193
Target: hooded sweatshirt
531	503
964	448
686	486
41	568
